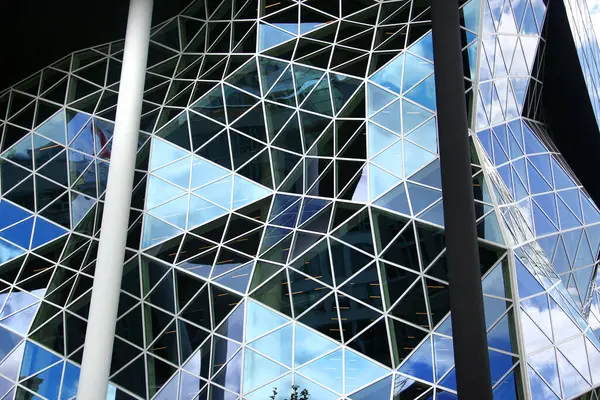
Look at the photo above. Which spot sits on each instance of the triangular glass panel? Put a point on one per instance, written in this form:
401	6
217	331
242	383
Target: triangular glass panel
420	363
259	370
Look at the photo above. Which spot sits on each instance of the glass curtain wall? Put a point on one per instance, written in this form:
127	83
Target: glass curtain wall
286	224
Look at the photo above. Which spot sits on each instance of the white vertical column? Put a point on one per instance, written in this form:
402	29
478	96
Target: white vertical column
99	338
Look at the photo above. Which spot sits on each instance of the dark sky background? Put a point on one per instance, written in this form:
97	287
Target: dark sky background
35	33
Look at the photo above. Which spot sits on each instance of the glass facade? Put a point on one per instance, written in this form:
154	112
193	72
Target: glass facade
286	224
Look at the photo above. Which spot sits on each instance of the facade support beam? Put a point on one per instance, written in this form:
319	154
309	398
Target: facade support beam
95	368
466	297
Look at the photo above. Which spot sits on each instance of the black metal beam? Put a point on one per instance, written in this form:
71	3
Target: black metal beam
466	297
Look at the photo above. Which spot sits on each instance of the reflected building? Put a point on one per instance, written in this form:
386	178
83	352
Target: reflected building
286	224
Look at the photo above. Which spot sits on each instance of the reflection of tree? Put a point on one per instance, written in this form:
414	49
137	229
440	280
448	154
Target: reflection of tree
34	384
303	395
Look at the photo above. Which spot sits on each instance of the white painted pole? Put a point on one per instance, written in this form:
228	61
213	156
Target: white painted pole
99	338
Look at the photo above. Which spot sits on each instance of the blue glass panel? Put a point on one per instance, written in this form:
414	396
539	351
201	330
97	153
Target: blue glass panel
260	320
590	212
499	364
593	357
160	192
507	389
5	386
444	355
177	173
156	231
218	192
45	232
75	121
425	136
435	214
273	235
539	311
527	284
424	93
21	152
472	53
8	341
540	388
377	98
389	118
390	76
230	375
10	366
422	197
396	200
413	116
499	336
415	69
163	153
566	217
534	339
289	216
204	172
423	47
174	212
543	225
238	279
574	350
561	179
377	390
545	364
379	139
54	128
282	384
246	192
277	345
493	309
35	359
311	207
471	12
359	371
47	382
70	381
258	370
310	345
380	181
80	206
269	36
20	233
18	301
485	138
316	391
189	386
84	142
539	9
281	202
415	158
9	251
450	380
571	199
21	321
420	364
532	143
326	371
9	214
169	390
222	394
572	382
571	240
494	283
547	203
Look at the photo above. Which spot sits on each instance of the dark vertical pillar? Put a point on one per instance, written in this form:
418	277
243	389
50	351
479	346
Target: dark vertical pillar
466	298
